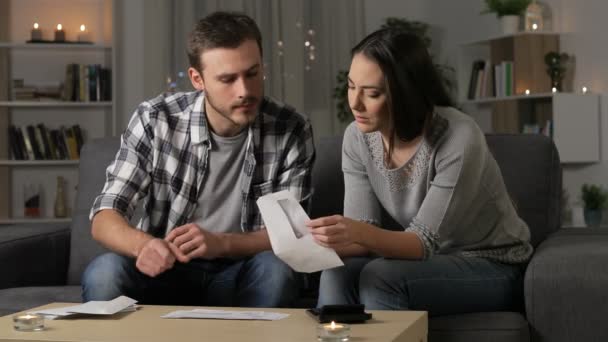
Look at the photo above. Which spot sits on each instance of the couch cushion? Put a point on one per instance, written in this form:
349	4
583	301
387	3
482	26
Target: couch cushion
34	254
566	284
480	327
531	170
95	157
23	298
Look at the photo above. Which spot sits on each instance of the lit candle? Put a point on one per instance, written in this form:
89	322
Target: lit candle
584	90
527	91
333	332
59	34
36	33
83	35
554	90
28	322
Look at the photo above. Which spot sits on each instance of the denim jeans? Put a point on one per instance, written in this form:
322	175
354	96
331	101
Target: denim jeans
262	280
441	285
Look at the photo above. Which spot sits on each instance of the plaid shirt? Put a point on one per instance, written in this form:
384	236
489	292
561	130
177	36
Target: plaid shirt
164	153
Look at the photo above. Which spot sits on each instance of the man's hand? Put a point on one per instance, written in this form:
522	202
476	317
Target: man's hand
195	242
156	256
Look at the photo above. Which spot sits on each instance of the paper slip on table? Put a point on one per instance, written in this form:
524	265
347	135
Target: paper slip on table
146	325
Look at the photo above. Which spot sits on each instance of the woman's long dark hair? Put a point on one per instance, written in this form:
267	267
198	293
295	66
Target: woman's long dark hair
413	84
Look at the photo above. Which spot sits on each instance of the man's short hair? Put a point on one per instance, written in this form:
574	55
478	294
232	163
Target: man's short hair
221	30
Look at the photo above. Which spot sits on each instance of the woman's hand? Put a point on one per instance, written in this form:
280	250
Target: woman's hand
336	231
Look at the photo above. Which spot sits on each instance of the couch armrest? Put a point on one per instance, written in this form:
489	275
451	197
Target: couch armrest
34	254
566	284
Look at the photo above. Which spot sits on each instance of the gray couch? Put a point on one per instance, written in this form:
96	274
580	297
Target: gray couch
565	282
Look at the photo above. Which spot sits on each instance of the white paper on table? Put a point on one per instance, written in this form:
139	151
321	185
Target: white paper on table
291	241
226	314
119	304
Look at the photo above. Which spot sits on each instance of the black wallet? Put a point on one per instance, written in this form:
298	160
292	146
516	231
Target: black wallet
348	313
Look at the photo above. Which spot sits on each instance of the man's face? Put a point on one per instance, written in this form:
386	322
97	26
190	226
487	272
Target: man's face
232	79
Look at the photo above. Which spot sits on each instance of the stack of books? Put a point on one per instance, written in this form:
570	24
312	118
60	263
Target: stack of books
37	142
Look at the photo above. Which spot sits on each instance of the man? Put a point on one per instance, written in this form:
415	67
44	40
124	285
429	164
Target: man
199	161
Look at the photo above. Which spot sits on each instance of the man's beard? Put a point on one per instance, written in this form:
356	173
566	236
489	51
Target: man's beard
226	113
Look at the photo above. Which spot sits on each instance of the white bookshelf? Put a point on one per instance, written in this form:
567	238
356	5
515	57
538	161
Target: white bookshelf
34	220
54	46
45	64
38	163
55	104
573	118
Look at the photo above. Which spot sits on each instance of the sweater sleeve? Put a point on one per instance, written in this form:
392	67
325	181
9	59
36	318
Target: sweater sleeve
360	201
459	165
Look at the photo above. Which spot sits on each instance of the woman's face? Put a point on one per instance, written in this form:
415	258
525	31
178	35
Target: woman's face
367	95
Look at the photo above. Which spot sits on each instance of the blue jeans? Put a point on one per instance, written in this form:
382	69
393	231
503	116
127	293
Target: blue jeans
441	285
262	280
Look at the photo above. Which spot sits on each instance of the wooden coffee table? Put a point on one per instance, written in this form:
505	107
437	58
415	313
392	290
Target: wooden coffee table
145	324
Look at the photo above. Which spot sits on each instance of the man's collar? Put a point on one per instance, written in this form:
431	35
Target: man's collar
199	130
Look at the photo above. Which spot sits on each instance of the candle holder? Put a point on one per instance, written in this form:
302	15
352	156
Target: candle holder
334	332
28	322
83	35
59	34
36	33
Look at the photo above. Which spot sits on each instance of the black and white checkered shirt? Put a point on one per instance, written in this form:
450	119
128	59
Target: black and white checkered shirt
163	160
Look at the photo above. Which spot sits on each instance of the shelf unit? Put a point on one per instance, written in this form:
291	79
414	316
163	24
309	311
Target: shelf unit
573	117
58	104
44	63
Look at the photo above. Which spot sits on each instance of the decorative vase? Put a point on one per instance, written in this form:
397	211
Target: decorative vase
593	217
509	24
60	206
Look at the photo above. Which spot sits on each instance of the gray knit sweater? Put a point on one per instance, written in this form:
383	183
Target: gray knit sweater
450	193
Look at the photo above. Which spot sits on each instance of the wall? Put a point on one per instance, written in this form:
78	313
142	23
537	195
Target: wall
453	22
142	54
583	24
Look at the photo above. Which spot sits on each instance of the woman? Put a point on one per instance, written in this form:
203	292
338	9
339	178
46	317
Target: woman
428	166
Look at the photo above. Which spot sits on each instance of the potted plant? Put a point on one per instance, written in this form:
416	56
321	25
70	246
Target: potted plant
508	11
594	199
413	27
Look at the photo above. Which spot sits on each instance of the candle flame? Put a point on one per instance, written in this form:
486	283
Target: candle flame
36	25
333	325
59	27
82	28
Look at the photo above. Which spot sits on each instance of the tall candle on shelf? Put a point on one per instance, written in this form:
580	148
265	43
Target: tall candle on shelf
83	35
36	33
59	34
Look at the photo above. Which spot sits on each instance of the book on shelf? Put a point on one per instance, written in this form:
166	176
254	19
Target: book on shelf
489	80
37	142
503	79
478	65
50	91
87	83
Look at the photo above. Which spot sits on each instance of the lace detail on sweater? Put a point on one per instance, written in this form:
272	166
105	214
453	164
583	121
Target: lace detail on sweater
429	238
405	176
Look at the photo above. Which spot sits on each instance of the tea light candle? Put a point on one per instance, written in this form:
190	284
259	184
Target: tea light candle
59	34
36	33
83	34
334	332
28	322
